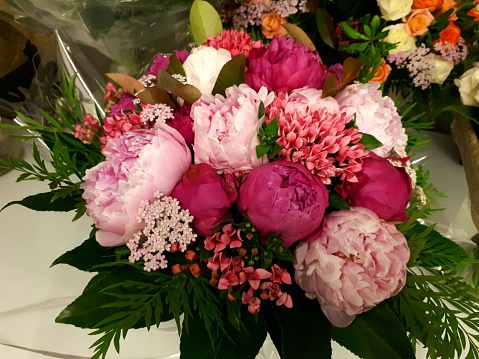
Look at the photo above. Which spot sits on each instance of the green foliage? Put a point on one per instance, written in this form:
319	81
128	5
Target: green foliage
369	141
204	21
231	74
268	135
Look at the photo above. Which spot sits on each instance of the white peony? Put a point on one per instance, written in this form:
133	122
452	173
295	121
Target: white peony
392	10
442	69
203	66
468	85
398	35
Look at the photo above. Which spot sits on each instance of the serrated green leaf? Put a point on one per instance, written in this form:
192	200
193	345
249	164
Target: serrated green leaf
375	334
369	141
43	202
204	21
232	73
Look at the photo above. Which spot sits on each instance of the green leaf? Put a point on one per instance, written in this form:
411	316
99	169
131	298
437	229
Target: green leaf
43	202
326	29
189	93
469	112
375	334
195	343
232	73
299	35
87	255
175	66
369	141
204	21
352	33
261	150
336	201
312	341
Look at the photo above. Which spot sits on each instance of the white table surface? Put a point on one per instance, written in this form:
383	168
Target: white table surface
33	294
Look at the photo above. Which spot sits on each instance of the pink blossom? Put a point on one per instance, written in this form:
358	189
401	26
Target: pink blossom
285	65
313	131
161	61
229	279
280	275
123	105
236	42
357	262
228	236
226	129
133	171
249	297
376	115
253	276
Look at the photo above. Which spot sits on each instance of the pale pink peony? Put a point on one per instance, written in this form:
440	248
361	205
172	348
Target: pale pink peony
376	115
226	129
236	42
285	65
313	131
203	66
357	262
137	164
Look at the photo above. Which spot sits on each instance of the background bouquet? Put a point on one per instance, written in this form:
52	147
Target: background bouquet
243	188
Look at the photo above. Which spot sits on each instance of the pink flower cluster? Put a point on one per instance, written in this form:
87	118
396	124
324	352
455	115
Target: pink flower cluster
236	42
229	271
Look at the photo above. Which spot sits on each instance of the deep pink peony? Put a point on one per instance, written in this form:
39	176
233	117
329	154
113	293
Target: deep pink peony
124	104
376	115
161	61
137	164
226	129
283	197
207	196
285	65
183	123
357	262
313	131
236	42
381	187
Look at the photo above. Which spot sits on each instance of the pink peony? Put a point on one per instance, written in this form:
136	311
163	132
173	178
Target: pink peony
384	189
236	42
162	60
226	129
183	123
285	65
207	196
137	164
375	115
283	197
357	262
314	132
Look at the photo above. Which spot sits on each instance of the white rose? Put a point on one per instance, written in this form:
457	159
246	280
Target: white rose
397	35
441	69
468	85
392	10
203	66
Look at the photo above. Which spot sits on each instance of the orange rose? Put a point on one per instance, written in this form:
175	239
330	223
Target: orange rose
450	34
271	25
382	73
418	22
450	4
427	4
474	12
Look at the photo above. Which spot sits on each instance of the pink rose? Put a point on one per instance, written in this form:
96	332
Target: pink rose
375	115
137	164
384	189
357	262
207	196
226	129
283	197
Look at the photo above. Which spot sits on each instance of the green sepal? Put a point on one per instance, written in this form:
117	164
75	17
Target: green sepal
369	141
375	334
232	73
46	201
204	21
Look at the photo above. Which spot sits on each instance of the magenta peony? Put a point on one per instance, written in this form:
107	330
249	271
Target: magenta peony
124	104
314	132
236	42
381	187
137	164
161	61
183	123
226	129
357	262
375	115
283	197
285	65
207	196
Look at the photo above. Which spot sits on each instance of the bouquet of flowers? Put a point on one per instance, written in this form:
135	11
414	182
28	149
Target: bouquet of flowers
423	45
245	189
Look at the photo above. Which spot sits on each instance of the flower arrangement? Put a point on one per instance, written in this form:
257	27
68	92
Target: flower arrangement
245	189
421	44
